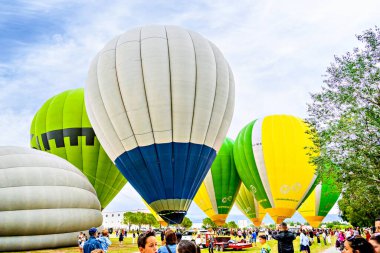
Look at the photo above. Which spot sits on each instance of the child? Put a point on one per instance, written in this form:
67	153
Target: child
264	245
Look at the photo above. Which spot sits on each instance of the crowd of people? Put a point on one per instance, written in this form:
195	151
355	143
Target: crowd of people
97	243
348	241
147	243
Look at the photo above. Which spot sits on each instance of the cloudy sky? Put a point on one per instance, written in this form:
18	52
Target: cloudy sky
278	51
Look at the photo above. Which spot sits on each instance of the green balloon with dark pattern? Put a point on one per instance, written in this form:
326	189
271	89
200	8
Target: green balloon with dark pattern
61	127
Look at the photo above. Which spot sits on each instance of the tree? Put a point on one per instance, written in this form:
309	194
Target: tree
151	221
208	223
232	224
345	118
140	219
129	219
186	223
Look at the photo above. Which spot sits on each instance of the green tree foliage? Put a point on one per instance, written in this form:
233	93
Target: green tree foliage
186	223
208	223
232	224
346	120
151	221
139	219
128	219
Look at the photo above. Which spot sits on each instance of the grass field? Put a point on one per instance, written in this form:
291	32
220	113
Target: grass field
128	246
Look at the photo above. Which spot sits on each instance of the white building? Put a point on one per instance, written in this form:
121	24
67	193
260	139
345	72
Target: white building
115	219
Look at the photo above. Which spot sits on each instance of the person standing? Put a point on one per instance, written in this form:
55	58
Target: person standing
254	236
104	240
91	244
357	245
211	244
147	242
377	225
264	245
162	237
375	241
285	239
304	242
187	247
121	237
170	241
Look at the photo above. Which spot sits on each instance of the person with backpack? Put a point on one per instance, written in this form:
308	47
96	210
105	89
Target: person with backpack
170	243
104	240
91	244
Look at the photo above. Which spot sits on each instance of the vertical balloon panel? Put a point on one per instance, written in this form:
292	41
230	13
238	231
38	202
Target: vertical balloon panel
162	99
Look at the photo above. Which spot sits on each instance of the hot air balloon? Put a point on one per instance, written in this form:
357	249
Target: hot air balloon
219	189
158	218
44	201
319	203
161	99
272	162
247	204
61	127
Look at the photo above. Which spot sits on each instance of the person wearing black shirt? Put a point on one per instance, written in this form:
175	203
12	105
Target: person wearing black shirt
285	239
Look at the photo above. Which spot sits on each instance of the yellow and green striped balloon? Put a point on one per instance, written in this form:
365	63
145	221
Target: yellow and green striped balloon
248	205
272	162
319	203
61	127
218	191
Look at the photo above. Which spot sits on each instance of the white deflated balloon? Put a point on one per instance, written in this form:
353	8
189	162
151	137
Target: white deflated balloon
44	201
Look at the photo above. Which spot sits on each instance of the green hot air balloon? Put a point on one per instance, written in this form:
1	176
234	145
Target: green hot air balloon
248	205
62	127
219	189
319	203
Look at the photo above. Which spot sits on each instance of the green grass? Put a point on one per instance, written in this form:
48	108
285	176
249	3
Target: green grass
128	246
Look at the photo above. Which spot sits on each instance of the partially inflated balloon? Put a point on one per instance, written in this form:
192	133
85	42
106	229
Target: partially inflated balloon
160	99
319	203
44	201
61	127
218	191
272	162
248	205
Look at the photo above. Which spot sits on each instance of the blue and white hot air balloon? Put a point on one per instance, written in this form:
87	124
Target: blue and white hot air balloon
161	99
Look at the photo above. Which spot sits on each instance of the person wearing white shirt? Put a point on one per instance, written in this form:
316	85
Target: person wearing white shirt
304	242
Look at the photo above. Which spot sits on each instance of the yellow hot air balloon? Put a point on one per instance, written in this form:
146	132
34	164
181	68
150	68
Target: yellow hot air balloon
272	162
158	218
319	203
218	191
248	205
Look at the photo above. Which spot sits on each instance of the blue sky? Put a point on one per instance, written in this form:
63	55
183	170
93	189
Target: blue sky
278	51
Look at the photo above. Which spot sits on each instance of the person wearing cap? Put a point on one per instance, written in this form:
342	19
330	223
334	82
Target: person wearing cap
285	239
91	244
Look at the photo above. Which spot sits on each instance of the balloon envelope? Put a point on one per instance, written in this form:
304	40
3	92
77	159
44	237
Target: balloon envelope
45	201
219	189
272	162
319	203
61	127
160	99
248	205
